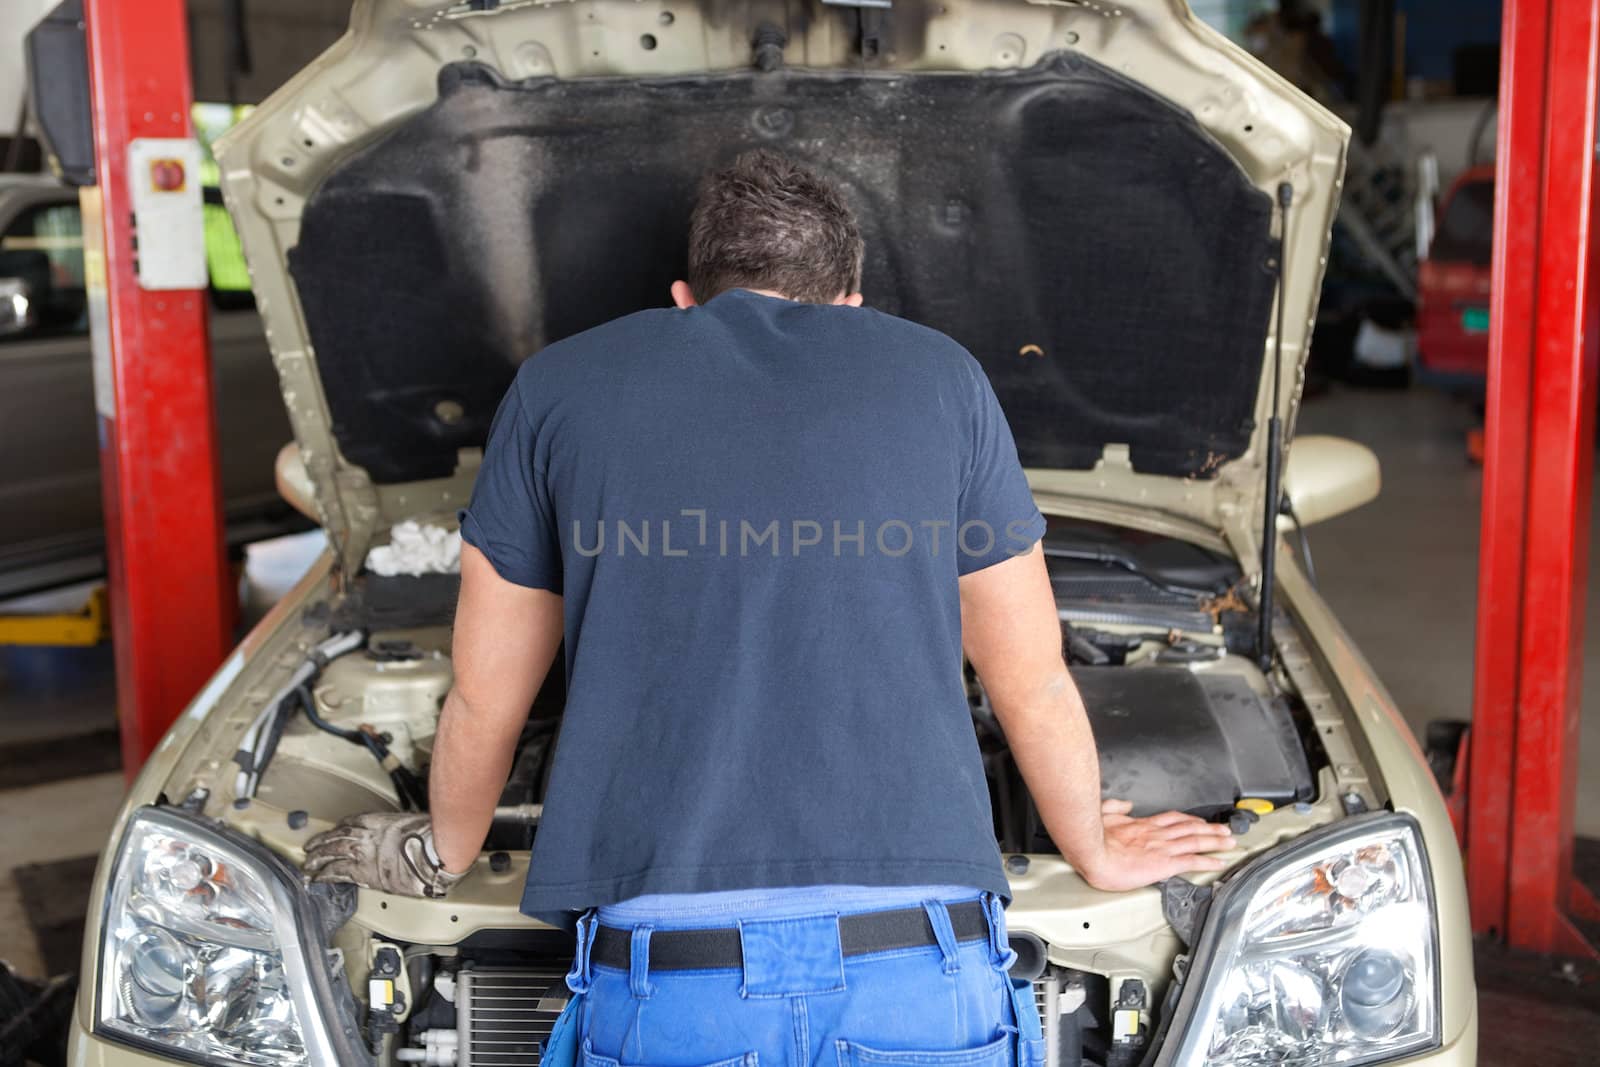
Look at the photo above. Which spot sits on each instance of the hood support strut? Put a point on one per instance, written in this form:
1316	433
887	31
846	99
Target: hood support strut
1274	501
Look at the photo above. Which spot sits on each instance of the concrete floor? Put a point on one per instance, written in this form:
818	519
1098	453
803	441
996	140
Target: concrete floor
1401	573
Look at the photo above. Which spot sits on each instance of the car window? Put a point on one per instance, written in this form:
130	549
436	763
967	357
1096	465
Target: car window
43	246
1467	228
230	278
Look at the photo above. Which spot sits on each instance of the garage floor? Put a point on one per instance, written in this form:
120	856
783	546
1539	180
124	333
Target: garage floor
1401	573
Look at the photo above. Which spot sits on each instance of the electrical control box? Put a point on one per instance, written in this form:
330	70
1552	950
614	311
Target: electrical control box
168	212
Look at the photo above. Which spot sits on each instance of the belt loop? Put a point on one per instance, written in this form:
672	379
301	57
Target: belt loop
639	963
944	933
999	944
578	976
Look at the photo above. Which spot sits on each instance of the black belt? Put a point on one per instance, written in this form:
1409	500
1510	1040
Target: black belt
859	934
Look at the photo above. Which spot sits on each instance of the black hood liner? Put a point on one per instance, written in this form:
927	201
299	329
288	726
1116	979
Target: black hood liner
1107	262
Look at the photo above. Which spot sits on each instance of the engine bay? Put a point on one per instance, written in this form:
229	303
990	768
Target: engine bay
1158	638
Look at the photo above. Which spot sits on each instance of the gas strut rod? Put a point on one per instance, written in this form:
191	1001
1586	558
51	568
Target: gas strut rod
1274	501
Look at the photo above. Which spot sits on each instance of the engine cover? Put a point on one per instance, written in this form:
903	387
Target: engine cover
1176	738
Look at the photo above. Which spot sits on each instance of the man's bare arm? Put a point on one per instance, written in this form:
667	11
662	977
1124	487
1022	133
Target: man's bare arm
506	637
1012	635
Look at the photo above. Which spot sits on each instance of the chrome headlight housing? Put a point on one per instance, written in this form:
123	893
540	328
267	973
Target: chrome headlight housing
1325	951
207	950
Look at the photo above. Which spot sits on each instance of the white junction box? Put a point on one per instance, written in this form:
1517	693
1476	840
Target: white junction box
168	213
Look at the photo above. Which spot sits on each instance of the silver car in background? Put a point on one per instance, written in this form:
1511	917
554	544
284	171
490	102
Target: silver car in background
51	532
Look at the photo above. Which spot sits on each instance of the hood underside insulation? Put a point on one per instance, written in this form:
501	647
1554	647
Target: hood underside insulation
1107	261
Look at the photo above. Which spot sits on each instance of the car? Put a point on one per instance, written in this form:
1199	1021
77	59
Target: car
54	533
1453	288
1119	212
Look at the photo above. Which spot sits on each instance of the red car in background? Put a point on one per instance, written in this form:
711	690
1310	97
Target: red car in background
1453	287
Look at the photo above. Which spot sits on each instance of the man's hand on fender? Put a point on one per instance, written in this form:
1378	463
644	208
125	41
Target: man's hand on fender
391	852
1142	851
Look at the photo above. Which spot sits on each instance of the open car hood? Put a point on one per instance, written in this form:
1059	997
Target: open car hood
1085	194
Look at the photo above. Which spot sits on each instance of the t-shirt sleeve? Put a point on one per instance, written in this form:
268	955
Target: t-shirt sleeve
510	518
998	518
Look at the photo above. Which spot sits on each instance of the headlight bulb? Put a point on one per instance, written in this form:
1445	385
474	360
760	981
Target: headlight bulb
1374	993
158	974
188	873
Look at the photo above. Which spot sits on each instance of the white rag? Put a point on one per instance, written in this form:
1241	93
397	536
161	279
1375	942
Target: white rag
417	548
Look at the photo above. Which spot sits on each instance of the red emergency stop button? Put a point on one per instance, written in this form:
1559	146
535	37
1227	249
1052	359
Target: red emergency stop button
167	175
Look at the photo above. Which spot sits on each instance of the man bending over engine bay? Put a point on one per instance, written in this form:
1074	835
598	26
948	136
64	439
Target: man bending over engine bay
767	523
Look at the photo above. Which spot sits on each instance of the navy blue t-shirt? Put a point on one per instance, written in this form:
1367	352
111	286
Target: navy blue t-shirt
756	511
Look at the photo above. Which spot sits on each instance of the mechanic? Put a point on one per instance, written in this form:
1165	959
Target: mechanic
767	524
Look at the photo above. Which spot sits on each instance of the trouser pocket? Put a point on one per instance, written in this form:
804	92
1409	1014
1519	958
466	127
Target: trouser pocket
996	1053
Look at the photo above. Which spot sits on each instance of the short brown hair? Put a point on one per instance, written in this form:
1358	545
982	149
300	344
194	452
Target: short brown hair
767	222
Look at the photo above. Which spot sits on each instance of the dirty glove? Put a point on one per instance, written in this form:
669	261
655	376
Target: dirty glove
391	852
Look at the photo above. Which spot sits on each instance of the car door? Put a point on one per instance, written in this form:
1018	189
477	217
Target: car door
49	458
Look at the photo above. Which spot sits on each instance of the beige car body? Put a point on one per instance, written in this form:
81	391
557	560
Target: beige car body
385	68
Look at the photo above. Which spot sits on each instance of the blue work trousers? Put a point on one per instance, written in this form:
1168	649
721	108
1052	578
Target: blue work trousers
799	1002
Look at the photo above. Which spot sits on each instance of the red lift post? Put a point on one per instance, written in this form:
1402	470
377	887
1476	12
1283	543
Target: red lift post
1537	483
172	598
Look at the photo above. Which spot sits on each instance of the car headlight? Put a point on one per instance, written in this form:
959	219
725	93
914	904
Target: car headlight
203	954
1325	951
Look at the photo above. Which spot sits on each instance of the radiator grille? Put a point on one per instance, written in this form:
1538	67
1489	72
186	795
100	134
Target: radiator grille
1047	998
504	1016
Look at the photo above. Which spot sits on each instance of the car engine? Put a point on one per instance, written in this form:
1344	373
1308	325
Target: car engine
1158	640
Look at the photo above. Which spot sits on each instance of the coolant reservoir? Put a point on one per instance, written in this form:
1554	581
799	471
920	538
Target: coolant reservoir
396	685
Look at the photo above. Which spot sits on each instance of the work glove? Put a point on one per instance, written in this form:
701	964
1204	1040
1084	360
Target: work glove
391	852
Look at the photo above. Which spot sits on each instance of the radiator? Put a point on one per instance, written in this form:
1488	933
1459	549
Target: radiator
503	1017
1046	993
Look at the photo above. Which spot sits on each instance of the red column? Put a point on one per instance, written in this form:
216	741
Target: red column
1538	479
172	598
